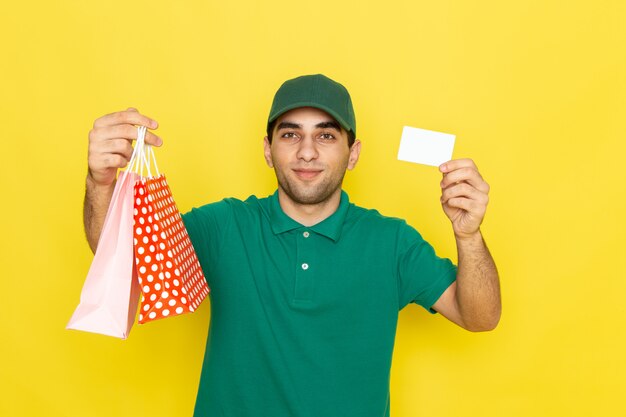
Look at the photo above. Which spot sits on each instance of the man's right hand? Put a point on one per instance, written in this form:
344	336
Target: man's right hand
110	143
110	148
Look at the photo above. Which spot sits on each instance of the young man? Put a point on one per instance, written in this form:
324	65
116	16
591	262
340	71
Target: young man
305	286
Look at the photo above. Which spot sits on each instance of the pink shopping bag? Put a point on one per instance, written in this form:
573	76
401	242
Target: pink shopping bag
110	295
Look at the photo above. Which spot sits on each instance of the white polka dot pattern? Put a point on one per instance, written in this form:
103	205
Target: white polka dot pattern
170	276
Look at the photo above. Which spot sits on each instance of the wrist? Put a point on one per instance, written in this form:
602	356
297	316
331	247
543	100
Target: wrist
93	184
469	237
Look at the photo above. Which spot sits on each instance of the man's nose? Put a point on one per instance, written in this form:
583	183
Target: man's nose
307	151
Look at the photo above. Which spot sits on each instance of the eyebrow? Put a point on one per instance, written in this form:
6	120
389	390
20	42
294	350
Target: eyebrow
330	124
323	125
288	125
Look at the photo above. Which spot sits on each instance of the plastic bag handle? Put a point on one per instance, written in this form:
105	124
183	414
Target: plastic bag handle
153	159
133	164
142	156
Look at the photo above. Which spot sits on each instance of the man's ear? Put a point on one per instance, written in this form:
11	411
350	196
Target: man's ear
267	151
355	151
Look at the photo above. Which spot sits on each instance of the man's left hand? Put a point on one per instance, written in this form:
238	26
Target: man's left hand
464	196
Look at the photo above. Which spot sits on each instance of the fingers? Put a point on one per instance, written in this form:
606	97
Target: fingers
462	170
99	165
130	116
470	206
464	191
456	164
117	146
472	203
464	195
463	187
468	175
122	131
110	142
107	154
127	121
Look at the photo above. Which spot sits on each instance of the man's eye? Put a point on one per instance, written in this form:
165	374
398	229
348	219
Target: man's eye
289	135
327	136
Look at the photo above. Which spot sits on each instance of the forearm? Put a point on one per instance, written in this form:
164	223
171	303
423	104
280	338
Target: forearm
478	285
95	206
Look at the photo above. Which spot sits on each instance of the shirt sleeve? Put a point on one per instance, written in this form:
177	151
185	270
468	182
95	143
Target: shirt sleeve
422	275
206	227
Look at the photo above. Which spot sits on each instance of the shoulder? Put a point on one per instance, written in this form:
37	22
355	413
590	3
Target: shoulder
373	217
252	203
380	224
225	209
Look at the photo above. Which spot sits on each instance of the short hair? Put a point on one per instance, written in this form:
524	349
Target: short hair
270	130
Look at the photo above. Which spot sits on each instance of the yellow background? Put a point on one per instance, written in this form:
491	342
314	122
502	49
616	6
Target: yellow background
534	90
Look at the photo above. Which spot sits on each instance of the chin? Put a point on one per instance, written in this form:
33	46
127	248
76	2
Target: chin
309	197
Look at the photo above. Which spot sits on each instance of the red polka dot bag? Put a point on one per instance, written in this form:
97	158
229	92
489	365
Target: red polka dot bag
169	274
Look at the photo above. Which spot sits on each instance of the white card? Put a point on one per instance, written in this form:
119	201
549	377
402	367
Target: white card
425	146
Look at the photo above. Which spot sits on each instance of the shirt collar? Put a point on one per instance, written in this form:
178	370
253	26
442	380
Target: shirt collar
329	227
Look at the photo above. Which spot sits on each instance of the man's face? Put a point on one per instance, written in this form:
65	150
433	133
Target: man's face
310	154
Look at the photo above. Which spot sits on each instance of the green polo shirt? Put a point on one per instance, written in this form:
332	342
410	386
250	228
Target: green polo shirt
303	319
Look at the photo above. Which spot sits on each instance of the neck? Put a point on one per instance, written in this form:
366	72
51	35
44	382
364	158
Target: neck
309	214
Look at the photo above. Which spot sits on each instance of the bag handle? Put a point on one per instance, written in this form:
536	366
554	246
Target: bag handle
133	165
142	156
153	159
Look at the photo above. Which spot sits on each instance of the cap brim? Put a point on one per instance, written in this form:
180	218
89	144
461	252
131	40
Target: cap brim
292	106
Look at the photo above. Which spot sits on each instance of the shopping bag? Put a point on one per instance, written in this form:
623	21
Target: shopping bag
170	276
109	298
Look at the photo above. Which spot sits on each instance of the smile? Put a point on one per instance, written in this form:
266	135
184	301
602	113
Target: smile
307	174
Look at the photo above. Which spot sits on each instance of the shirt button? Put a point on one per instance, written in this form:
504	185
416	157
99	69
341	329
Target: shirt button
305	266
305	234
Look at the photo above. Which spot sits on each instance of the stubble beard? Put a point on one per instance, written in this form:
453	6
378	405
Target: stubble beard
312	194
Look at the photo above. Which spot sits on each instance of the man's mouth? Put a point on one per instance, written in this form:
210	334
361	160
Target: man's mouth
307	174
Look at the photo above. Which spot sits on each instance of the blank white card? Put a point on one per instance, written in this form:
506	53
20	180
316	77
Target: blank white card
426	147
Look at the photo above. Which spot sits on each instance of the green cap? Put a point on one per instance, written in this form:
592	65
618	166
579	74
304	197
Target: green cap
316	91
